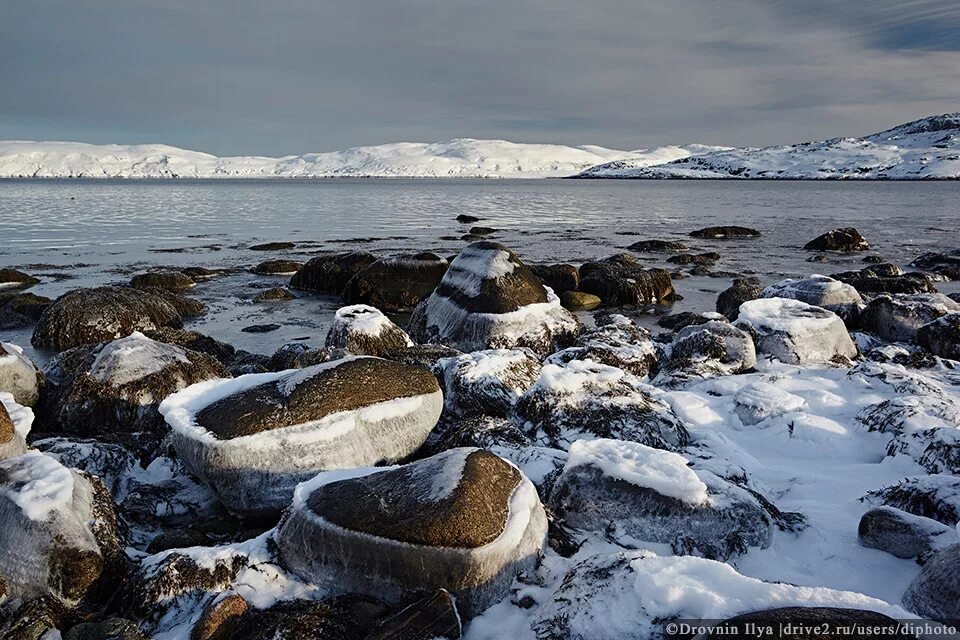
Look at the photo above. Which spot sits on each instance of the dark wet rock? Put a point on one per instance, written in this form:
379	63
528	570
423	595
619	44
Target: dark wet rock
714	348
277	267
942	336
559	277
935	496
622	279
429	524
194	341
109	629
795	332
13	279
809	623
273	246
617	341
330	273
724	233
363	330
177	539
396	283
260	328
33	620
482	231
433	616
297	355
947	264
872	281
347	617
903	534
742	290
489	299
18	375
487	382
169	280
676	321
90	316
18	310
873	259
705	259
658	246
696	513
899	317
277	294
935	593
845	239
424	355
466	219
202	274
221	619
586	399
579	301
116	386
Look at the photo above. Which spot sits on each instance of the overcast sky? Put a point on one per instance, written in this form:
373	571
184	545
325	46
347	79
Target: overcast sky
279	77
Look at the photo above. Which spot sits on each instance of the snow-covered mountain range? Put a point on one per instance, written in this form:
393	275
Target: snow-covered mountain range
926	149
460	158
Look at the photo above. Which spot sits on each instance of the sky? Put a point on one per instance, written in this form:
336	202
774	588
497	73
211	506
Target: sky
245	77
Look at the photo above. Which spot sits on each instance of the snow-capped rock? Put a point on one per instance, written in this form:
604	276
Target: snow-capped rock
899	316
795	332
18	375
761	400
617	341
942	336
713	348
819	291
363	330
487	382
903	534
935	496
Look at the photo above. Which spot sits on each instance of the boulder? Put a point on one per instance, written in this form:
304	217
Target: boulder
59	536
169	280
489	299
903	534
706	350
488	382
947	264
277	267
899	317
579	301
658	246
653	495
297	355
585	399
881	279
845	239
485	432
935	593
15	423
464	218
622	279
13	279
253	438
90	316
330	273
819	291
559	277
115	387
18	310
345	617
362	330
742	290
18	375
676	321
424	355
761	400
700	259
396	283
942	336
934	496
277	294
795	332
464	520
434	616
195	341
724	233
616	341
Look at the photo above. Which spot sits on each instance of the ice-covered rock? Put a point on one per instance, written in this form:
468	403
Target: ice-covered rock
616	341
795	332
845	239
90	316
742	290
935	449
330	273
618	488
115	387
489	299
15	423
761	400
255	437
464	520
363	330
401	282
487	382
903	534
820	291
584	399
59	533
18	375
899	317
934	496
911	414
713	348
935	593
942	336
623	279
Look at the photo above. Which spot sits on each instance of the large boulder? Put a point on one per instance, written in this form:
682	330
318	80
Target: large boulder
845	239
942	336
330	273
18	375
616	341
464	520
653	495
364	330
705	350
59	534
255	437
742	290
899	317
903	534
489	299
935	593
488	382
401	282
115	387
795	332
90	316
584	399
622	279
820	291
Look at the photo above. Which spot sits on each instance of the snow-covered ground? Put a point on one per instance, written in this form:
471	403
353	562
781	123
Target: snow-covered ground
925	149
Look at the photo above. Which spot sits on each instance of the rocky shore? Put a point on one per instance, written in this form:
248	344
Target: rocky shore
484	448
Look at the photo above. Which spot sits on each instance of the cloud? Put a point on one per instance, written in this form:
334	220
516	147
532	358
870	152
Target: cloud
293	75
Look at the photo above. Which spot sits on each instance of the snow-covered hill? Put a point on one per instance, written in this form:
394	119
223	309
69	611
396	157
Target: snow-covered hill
461	158
926	149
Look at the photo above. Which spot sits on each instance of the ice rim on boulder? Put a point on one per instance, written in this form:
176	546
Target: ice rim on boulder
22	419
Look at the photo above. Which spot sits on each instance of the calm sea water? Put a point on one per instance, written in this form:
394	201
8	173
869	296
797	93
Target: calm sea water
83	233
